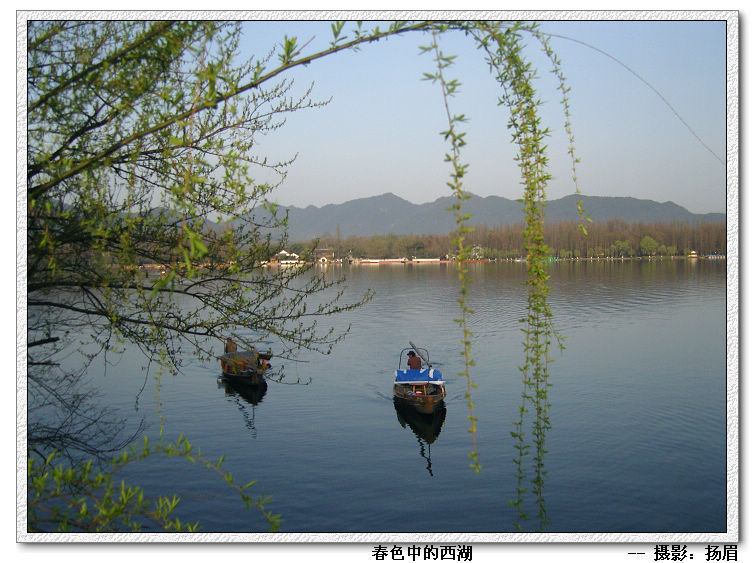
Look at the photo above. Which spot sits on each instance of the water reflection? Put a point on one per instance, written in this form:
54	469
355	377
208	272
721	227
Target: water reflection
425	425
244	394
251	393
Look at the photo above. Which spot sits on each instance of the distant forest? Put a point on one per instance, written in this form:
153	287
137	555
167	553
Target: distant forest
613	238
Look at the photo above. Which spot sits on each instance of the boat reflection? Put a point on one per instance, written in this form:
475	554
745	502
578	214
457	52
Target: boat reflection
425	425
245	394
251	393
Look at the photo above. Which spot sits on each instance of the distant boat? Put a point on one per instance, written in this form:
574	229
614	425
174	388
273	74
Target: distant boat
246	366
692	254
423	388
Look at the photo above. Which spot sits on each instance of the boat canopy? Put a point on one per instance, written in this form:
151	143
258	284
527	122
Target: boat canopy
419	376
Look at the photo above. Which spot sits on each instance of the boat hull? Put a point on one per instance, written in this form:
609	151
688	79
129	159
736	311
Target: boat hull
247	377
423	401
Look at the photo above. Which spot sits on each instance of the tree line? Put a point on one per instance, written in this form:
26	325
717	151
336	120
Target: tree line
614	238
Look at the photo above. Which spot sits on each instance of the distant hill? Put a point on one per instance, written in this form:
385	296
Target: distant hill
389	213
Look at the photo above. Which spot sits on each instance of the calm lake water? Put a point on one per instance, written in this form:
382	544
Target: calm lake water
638	415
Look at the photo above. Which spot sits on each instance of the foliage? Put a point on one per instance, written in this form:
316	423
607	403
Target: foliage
505	54
80	499
139	133
124	174
648	246
459	237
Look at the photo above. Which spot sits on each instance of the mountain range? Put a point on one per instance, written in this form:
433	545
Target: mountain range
388	213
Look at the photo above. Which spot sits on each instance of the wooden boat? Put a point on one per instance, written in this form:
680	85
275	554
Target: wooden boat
423	388
248	366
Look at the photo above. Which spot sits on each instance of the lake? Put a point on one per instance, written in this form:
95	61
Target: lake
638	410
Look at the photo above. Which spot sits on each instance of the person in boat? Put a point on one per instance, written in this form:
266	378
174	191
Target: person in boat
259	361
413	361
230	346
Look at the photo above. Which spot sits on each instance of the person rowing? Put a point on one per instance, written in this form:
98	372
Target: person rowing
413	361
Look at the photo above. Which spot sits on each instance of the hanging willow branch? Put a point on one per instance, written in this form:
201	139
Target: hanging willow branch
556	69
456	140
504	49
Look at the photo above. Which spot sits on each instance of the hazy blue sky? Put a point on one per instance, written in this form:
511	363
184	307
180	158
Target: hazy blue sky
380	133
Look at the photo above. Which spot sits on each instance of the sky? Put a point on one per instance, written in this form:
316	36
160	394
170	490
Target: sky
650	126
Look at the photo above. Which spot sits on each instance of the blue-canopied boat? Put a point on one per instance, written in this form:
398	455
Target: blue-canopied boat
423	387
